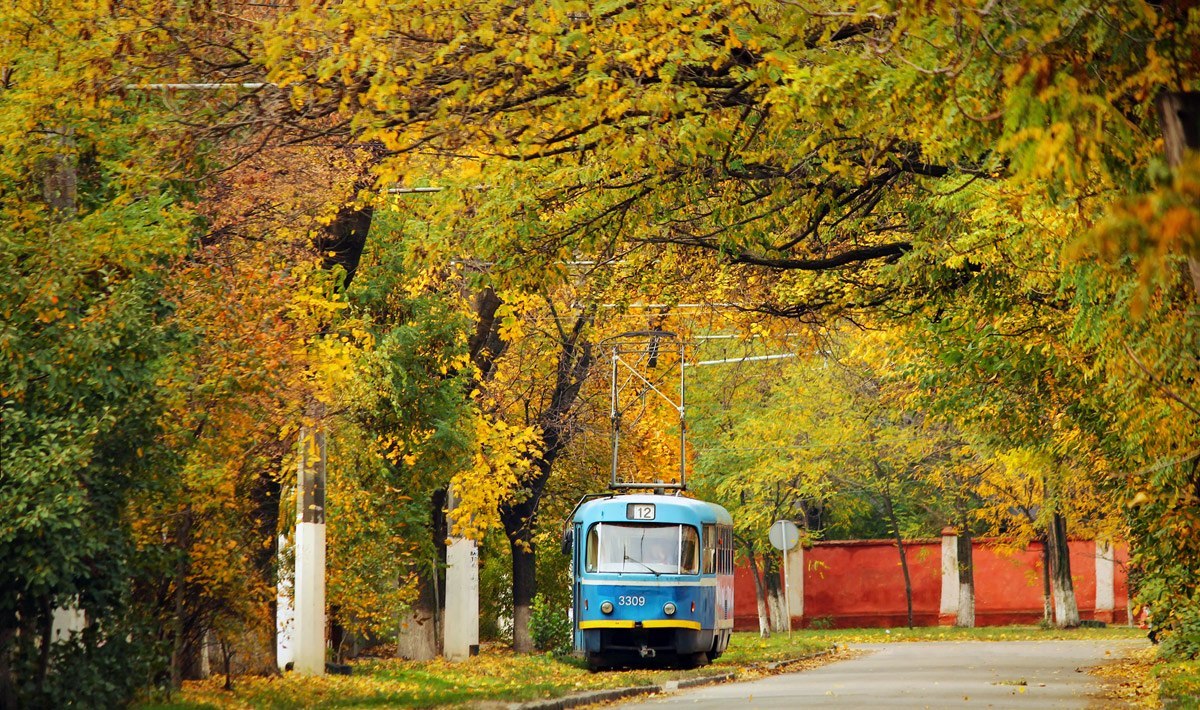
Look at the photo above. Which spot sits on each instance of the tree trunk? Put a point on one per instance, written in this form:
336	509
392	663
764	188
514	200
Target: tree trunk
227	663
486	345
1066	610
775	601
966	580
1047	595
337	633
191	663
908	593
8	637
519	521
342	242
519	516
760	597
419	636
265	495
524	571
59	177
179	621
46	629
1179	119
895	523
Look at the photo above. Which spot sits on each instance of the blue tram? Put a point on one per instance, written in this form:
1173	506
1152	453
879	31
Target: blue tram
653	579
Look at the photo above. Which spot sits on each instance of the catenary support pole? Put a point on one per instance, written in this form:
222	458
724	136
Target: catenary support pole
461	620
309	591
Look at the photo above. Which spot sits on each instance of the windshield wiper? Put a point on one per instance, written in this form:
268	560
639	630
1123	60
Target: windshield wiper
630	559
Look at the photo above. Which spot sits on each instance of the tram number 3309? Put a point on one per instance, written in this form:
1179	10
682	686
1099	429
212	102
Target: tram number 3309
631	601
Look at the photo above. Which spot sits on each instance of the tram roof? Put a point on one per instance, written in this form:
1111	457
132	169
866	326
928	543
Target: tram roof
701	511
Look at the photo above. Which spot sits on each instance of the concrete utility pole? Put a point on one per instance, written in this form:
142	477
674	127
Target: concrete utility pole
460	638
309	590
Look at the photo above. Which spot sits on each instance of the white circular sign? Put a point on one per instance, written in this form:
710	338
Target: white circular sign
784	535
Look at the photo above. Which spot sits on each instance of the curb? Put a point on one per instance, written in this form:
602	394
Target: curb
776	665
595	696
602	696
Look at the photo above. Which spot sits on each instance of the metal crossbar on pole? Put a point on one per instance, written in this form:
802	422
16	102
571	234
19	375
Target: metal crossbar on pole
752	358
199	86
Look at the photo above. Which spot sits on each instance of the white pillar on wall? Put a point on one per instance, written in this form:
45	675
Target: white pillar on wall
948	610
795	571
309	589
1105	581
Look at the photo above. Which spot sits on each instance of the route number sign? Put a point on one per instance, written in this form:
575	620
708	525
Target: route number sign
640	511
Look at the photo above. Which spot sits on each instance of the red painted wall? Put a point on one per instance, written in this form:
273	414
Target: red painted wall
860	583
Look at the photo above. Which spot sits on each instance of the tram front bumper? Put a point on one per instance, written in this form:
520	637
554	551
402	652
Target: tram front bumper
644	624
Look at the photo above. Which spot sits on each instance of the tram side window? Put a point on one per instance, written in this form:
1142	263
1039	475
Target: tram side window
689	551
719	553
710	549
593	549
725	554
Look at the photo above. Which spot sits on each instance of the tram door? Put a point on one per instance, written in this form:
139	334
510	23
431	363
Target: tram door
577	587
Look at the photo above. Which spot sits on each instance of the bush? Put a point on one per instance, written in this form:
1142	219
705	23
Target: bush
1181	637
550	627
821	623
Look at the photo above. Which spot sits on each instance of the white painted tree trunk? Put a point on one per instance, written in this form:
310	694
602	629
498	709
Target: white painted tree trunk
1066	609
965	616
778	607
417	640
760	598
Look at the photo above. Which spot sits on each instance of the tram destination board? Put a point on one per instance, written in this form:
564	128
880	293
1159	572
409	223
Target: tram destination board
639	511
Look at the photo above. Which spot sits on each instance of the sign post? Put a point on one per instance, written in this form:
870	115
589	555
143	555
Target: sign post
784	535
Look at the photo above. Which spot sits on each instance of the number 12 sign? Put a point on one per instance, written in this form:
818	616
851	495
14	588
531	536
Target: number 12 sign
640	511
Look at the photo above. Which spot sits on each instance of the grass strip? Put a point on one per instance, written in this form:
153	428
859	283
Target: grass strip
1179	684
500	676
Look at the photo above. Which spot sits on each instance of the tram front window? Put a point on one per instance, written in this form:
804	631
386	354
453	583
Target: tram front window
625	548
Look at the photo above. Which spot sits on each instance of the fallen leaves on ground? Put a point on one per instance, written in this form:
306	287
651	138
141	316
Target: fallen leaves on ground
1130	679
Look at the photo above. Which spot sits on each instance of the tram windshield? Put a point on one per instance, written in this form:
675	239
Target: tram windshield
626	548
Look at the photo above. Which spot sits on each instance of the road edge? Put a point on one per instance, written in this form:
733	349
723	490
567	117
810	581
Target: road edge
592	697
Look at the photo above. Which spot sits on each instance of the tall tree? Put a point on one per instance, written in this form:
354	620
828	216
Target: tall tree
93	212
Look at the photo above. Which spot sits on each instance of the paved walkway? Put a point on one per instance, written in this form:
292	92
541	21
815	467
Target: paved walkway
943	674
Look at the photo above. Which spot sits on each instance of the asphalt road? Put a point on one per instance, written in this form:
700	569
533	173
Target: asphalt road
944	674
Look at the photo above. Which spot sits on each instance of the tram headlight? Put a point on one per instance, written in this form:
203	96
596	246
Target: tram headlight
669	608
606	607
